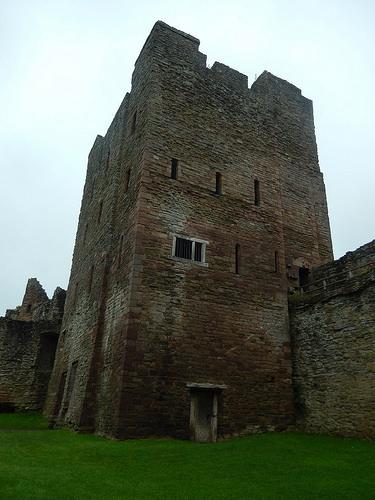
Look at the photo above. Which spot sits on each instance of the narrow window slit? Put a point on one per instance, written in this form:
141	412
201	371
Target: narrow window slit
174	168
85	234
100	212
256	193
237	258
127	180
219	184
91	276
276	262
121	249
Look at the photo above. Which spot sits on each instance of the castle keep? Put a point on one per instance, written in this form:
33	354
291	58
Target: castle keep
203	205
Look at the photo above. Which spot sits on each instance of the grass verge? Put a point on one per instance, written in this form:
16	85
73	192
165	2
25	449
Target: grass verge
59	464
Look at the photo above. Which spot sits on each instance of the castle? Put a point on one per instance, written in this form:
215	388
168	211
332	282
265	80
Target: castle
203	300
203	204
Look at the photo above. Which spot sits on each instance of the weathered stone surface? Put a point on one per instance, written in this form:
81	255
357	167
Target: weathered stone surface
139	324
28	339
333	327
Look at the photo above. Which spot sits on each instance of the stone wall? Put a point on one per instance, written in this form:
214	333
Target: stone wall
140	325
28	339
333	327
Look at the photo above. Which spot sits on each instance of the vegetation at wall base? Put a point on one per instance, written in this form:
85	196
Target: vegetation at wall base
37	463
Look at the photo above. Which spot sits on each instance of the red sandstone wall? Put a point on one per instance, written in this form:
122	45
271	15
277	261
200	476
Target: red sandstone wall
151	324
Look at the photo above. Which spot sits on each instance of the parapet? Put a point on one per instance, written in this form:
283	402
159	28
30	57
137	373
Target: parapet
348	275
267	83
167	42
230	76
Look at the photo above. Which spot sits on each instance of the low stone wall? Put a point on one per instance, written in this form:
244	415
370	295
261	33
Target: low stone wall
333	332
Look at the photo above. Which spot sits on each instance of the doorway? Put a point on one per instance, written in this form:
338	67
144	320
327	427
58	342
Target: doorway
303	275
203	415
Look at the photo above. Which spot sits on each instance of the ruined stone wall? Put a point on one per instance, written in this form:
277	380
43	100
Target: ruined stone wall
333	328
140	324
28	339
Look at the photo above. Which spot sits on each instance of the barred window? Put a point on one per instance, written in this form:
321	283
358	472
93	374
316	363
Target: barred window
189	249
183	248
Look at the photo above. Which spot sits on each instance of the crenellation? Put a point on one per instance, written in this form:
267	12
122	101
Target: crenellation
230	76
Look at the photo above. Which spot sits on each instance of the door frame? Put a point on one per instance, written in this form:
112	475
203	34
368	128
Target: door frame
195	389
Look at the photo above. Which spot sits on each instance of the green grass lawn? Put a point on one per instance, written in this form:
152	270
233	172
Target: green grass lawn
58	464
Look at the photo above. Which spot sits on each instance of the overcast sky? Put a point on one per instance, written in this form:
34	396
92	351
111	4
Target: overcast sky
65	66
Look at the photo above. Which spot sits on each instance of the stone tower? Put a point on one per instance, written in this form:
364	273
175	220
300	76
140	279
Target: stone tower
203	204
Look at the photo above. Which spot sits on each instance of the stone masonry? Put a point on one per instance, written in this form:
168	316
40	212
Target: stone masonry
202	204
333	331
28	339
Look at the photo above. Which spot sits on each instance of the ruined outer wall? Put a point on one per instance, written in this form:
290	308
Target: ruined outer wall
23	378
28	338
333	327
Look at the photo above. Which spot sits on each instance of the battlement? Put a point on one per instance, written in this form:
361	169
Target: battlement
166	41
347	275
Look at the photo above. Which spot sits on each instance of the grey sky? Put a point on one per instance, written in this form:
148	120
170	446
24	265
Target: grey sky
66	65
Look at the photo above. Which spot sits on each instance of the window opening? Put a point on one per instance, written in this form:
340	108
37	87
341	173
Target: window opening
91	277
100	212
276	262
184	248
237	258
127	180
304	274
174	168
85	234
198	252
70	387
219	183
121	249
189	249
256	192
